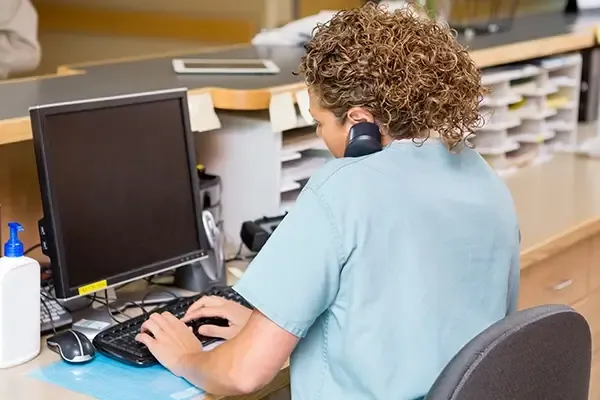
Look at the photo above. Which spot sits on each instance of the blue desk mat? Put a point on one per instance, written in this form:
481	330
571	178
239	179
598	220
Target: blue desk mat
107	379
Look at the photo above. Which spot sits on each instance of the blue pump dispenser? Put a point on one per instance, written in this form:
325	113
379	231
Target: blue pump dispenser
14	246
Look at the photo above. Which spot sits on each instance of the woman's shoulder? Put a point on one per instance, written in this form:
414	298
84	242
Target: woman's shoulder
332	171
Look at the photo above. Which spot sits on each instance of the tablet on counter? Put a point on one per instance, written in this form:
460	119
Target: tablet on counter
224	66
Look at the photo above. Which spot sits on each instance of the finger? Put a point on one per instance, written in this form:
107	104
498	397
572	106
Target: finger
146	339
216	331
174	323
159	319
206	301
150	326
170	318
206	312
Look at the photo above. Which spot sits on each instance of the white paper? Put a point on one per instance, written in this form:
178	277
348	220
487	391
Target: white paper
202	113
588	4
304	105
282	112
95	325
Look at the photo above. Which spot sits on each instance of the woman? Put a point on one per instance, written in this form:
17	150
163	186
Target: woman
389	263
19	47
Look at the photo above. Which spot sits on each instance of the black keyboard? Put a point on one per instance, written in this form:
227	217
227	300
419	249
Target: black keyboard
119	342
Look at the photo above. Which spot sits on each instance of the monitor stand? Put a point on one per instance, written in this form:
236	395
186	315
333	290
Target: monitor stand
125	303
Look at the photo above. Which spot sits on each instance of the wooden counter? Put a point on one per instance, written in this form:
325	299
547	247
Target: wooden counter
531	37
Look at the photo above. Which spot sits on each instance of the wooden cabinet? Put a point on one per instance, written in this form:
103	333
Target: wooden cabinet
562	279
571	277
595	264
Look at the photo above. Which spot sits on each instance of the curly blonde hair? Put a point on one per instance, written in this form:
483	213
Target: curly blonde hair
407	70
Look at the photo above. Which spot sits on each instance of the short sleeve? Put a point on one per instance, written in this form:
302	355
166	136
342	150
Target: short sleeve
514	280
295	277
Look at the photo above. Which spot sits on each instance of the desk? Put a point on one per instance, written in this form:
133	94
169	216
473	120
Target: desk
559	210
17	385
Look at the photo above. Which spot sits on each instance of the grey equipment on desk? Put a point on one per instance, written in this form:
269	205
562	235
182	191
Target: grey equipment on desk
203	274
542	353
53	316
72	346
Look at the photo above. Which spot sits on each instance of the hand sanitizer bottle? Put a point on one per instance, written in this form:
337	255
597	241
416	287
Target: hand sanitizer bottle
19	303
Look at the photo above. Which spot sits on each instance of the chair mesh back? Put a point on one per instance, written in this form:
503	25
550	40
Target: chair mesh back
543	353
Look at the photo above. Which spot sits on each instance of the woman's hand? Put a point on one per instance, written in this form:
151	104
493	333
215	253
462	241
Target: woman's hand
169	340
213	306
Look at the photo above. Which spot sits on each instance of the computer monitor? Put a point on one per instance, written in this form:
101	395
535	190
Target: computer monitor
119	189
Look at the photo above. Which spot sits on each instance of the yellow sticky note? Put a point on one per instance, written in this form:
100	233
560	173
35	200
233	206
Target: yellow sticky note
92	287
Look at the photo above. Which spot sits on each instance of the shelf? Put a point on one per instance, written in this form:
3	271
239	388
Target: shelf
293	155
563	81
508	146
532	113
289	186
510	122
490	101
303	168
299	140
288	199
532	90
532	138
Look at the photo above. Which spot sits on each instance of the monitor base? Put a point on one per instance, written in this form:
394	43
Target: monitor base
91	319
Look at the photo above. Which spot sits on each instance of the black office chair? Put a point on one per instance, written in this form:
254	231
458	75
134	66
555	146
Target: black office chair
543	353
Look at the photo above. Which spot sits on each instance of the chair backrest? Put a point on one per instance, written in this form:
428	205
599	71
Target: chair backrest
542	353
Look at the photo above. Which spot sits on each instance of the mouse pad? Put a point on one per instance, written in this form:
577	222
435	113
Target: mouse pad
107	379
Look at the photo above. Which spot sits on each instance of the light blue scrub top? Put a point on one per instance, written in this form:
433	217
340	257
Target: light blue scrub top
386	266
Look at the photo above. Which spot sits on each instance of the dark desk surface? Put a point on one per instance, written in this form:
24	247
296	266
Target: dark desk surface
531	37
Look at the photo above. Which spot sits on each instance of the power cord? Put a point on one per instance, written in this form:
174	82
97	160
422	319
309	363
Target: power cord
45	305
32	248
109	311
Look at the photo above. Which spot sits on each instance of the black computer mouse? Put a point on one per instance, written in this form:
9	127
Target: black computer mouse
73	346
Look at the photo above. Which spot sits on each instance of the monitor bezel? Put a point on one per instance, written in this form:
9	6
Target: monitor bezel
55	246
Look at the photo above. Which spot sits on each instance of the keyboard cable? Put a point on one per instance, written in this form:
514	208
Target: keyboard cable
45	305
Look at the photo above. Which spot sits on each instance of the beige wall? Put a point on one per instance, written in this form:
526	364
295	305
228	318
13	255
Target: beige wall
263	12
63	48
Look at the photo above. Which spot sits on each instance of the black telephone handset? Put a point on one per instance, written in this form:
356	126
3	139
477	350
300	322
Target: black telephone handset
364	138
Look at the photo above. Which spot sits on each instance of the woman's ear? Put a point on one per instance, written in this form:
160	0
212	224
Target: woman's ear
359	114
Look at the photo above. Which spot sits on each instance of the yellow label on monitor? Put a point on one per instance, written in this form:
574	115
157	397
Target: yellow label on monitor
92	287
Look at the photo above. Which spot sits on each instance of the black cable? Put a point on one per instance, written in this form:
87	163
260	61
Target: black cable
32	248
238	255
108	309
49	313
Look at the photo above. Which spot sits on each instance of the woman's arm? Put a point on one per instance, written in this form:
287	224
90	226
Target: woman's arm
291	282
248	362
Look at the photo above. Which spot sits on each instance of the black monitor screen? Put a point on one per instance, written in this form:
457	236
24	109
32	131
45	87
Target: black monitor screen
121	189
